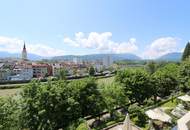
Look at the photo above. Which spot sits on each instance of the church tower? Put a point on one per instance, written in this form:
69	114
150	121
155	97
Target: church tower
24	53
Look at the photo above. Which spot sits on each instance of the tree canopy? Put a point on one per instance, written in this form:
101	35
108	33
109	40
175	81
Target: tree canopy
184	75
151	67
89	97
166	79
91	71
186	52
49	106
136	83
113	96
62	74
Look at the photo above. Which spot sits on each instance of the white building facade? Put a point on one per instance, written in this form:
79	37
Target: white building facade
22	72
107	61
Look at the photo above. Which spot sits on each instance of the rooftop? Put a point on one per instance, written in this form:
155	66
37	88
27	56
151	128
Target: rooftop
184	122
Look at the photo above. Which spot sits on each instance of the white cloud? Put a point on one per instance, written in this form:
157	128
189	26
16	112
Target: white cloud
161	46
101	42
129	46
14	45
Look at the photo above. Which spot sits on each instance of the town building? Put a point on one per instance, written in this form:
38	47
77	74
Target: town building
77	60
41	70
22	71
56	67
107	61
98	65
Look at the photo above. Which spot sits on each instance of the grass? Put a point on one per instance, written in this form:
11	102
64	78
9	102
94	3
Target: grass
170	104
108	80
16	88
9	92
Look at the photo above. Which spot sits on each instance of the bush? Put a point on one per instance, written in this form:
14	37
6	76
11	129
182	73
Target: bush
142	118
9	114
82	126
133	109
149	102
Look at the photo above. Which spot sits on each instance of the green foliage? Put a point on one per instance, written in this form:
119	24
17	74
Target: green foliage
82	126
88	96
62	74
138	114
60	104
149	102
49	106
91	71
166	79
184	74
9	113
186	52
136	83
142	118
151	67
131	62
114	96
133	109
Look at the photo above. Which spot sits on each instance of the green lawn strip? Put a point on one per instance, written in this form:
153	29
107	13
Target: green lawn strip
12	87
170	104
18	85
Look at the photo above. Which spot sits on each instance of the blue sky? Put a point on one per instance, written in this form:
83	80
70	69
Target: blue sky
148	28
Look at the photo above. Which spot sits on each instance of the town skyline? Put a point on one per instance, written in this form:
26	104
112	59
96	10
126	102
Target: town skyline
146	29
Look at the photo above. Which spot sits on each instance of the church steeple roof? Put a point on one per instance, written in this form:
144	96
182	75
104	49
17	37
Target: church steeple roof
24	48
24	52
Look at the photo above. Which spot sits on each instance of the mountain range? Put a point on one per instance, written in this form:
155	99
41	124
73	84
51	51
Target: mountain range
115	57
18	55
175	56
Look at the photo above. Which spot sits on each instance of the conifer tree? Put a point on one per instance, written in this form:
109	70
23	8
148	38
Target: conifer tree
186	52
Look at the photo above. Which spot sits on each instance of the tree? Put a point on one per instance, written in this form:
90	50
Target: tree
113	95
136	83
184	75
135	110
151	67
166	79
9	114
89	97
186	52
62	74
49	106
91	71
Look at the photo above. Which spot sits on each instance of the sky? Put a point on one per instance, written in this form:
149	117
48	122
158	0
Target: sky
147	28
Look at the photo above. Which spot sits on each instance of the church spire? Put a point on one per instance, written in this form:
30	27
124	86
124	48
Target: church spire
24	52
24	48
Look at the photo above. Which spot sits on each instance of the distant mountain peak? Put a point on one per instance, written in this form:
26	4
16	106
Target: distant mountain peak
174	56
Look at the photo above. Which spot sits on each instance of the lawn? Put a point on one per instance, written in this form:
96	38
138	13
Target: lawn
9	92
108	80
170	104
